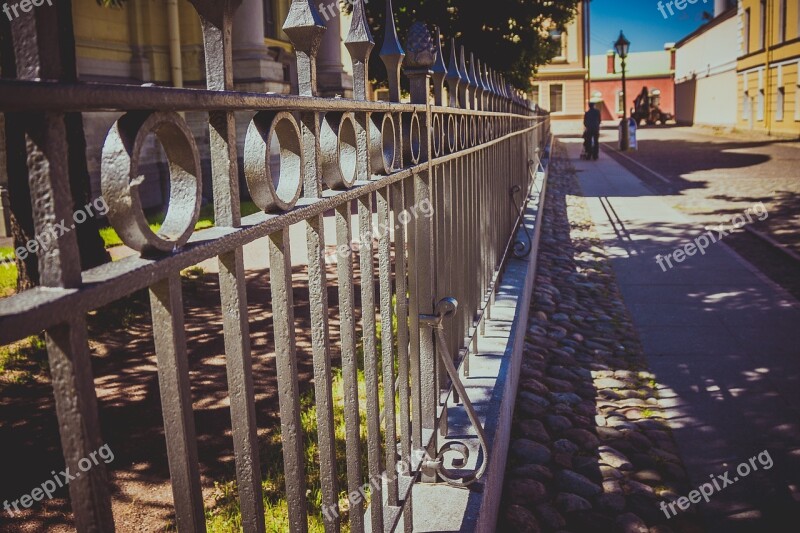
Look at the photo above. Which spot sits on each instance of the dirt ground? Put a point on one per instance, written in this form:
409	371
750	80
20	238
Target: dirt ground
126	380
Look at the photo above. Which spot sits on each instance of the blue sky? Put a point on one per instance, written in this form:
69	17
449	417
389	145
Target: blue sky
642	22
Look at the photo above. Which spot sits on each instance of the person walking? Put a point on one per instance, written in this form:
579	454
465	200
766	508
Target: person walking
591	135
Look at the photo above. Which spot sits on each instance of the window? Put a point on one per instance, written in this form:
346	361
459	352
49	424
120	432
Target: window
797	103
270	29
760	105
780	104
797	95
535	94
746	36
762	31
746	111
620	103
560	39
556	98
782	21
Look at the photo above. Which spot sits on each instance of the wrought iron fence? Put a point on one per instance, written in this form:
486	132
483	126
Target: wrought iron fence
435	275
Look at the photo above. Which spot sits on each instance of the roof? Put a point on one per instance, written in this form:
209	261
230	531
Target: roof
638	65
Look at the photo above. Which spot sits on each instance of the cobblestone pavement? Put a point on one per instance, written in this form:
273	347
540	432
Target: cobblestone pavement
713	177
590	450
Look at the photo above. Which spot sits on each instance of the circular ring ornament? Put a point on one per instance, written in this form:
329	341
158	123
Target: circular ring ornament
381	143
263	129
438	135
339	148
412	138
120	180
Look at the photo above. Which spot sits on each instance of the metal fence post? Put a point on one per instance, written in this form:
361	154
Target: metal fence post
44	39
305	28
418	69
217	22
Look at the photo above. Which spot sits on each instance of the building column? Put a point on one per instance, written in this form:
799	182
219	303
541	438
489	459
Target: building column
331	76
253	66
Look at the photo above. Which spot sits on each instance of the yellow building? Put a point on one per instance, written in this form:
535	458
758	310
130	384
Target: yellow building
161	42
767	67
560	86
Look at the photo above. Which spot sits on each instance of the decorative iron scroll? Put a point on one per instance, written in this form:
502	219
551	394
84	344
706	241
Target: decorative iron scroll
446	308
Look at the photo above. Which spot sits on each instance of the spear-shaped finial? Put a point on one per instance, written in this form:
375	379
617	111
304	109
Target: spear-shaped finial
464	89
439	69
453	75
392	54
359	43
483	87
473	77
305	28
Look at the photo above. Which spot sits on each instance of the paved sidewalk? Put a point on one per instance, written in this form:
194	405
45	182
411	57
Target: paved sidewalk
722	338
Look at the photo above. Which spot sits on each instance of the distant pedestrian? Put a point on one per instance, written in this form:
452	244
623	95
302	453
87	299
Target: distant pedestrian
591	134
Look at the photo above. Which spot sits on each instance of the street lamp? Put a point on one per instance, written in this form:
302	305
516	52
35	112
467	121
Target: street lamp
621	46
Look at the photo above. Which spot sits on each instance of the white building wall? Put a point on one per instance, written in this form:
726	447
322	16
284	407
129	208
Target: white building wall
705	76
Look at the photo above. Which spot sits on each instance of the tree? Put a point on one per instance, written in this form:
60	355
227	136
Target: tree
511	36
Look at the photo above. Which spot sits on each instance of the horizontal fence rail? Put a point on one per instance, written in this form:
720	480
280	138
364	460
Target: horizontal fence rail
435	185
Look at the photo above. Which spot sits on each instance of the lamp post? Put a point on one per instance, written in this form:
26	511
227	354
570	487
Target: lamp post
621	46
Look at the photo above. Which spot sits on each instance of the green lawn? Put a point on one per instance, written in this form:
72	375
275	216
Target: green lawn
225	516
206	220
8	272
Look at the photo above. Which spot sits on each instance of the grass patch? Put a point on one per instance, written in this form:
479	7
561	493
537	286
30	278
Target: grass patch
225	515
155	220
23	362
8	272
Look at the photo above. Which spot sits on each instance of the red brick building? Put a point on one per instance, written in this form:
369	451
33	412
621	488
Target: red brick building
654	70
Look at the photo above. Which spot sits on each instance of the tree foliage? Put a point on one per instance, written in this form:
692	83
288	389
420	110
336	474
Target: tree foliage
511	36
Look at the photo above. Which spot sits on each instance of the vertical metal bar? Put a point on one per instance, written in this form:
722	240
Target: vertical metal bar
462	246
78	425
473	238
451	279
414	325
166	305
280	278
484	206
443	231
320	346
421	260
424	261
239	363
387	341
44	47
403	369
347	327
305	28
233	291
370	357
